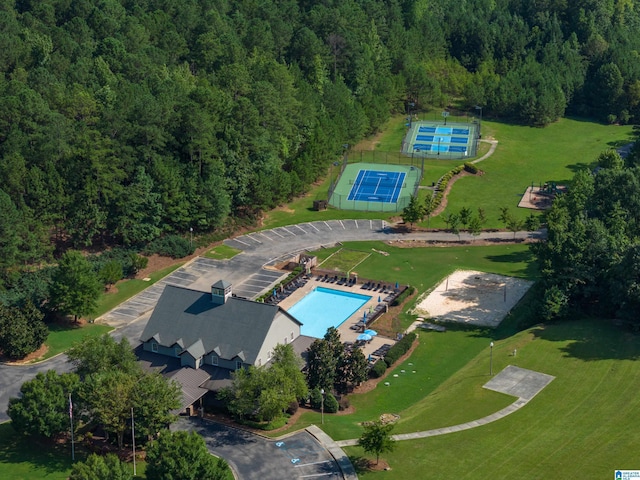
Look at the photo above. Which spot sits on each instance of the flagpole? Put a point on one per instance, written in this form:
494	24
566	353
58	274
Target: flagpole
133	440
73	452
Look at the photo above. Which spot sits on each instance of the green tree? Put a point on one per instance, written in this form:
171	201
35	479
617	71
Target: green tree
322	363
43	406
413	212
352	370
97	467
429	207
475	226
22	330
465	216
102	354
9	227
75	286
183	456
610	159
111	272
108	397
376	439
154	399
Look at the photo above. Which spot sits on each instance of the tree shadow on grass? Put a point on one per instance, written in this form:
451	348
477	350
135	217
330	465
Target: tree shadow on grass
16	449
524	256
592	339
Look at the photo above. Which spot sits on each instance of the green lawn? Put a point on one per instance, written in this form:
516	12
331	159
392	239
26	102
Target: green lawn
344	260
583	425
129	288
434	361
22	459
526	155
63	337
222	252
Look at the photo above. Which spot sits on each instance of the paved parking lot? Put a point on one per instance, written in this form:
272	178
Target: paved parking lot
256	458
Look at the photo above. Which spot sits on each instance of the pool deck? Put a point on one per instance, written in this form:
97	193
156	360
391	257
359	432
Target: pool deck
346	334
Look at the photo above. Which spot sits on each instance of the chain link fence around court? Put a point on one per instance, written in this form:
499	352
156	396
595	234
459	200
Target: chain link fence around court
340	190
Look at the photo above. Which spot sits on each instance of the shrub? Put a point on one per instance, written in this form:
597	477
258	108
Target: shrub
315	399
344	402
173	246
292	408
378	369
403	296
399	349
471	168
330	403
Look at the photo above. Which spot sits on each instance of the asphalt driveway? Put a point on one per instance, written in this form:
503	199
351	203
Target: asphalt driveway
253	457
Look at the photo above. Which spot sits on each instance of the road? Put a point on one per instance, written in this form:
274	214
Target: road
246	272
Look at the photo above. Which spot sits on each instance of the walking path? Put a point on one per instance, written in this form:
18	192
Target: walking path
516	381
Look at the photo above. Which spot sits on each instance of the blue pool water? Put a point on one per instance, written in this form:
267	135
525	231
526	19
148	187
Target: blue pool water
324	307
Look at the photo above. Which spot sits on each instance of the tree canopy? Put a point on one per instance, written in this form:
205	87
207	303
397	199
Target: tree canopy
123	121
183	456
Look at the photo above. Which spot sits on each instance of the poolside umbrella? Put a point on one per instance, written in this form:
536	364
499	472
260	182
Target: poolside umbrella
364	318
379	299
364	337
397	286
373	333
274	293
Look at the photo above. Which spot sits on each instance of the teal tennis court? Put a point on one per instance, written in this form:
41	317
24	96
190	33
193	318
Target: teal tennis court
448	141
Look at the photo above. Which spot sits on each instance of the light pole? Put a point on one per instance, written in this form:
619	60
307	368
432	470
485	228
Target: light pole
491	359
478	107
191	232
322	406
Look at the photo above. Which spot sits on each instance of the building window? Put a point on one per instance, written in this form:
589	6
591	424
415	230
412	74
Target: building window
259	362
238	364
291	335
269	355
154	347
285	340
214	360
178	349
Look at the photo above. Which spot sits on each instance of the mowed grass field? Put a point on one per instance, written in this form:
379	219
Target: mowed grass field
524	155
583	425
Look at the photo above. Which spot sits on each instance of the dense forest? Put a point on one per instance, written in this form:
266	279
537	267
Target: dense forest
125	120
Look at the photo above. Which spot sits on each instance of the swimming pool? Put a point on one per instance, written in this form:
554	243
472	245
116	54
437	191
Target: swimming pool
324	307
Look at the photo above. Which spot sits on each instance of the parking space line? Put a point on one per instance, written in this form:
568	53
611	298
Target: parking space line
343	227
357	224
317	229
274	231
287	230
254	239
313	463
240	241
300	228
327	225
265	236
330	474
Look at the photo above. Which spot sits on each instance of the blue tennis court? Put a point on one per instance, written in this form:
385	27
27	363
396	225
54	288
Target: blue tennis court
377	186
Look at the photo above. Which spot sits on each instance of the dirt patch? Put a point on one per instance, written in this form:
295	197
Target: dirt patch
362	464
474	298
443	203
29	358
369	143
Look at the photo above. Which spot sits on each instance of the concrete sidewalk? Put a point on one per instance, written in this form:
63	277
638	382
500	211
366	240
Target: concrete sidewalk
515	381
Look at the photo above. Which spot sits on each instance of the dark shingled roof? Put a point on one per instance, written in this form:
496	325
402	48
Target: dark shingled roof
190	381
237	328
